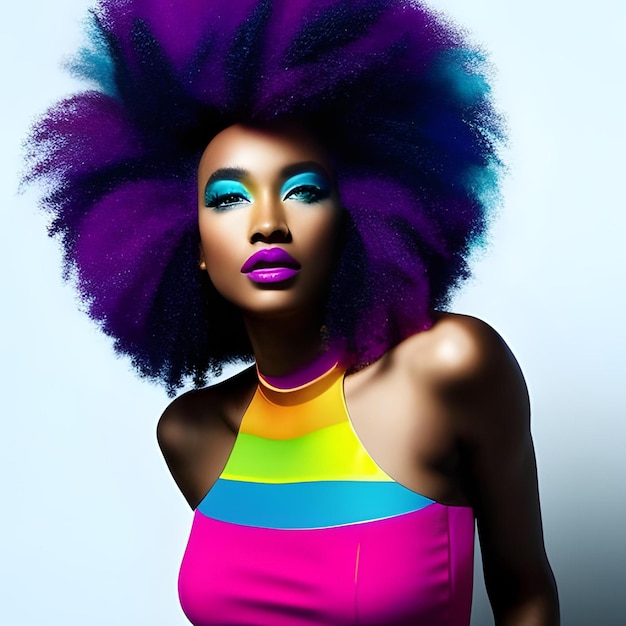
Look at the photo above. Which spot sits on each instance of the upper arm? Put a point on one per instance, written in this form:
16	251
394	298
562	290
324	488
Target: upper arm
490	400
197	431
195	440
177	435
173	433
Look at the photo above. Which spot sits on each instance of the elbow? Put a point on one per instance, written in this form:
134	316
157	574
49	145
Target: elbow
533	603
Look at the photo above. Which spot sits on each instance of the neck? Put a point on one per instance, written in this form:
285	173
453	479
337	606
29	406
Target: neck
289	350
306	374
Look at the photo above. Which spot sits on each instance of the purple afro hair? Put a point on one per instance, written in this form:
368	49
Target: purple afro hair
392	89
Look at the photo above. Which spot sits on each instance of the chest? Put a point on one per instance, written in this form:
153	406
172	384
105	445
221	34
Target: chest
409	569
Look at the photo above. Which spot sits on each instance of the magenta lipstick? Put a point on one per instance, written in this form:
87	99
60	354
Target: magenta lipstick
270	265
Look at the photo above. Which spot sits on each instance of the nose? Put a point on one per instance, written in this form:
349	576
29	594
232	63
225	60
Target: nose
268	222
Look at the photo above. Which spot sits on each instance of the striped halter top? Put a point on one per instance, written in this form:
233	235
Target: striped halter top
302	528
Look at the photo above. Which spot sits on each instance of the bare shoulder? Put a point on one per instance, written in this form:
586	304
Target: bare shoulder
457	347
473	373
197	430
201	410
460	352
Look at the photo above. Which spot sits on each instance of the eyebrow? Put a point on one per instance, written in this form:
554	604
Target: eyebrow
227	173
305	166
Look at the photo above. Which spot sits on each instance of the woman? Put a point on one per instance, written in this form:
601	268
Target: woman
347	157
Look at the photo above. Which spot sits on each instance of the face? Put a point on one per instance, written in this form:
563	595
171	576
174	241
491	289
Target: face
269	217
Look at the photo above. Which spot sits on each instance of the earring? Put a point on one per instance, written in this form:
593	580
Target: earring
202	265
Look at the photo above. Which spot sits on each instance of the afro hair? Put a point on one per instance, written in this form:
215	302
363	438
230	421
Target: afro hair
391	88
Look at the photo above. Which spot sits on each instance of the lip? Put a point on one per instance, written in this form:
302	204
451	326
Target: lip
270	265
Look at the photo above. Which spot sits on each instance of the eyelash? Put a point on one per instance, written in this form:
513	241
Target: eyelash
225	201
308	194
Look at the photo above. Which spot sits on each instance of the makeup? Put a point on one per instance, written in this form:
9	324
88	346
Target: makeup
270	265
223	195
308	187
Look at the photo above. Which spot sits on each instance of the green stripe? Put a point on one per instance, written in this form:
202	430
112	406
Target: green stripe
331	453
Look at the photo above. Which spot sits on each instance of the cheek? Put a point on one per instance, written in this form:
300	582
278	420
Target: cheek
323	237
219	250
318	246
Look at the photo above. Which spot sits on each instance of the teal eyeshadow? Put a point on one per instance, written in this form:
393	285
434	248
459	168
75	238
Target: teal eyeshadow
304	178
224	188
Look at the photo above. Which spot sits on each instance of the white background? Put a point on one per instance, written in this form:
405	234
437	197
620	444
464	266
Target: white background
92	527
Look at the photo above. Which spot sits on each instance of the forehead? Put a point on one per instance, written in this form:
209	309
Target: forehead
261	150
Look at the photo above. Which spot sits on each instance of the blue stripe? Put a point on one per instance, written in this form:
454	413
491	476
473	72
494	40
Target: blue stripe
320	504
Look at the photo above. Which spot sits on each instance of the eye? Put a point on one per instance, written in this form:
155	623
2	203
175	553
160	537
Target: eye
222	195
306	187
225	200
309	194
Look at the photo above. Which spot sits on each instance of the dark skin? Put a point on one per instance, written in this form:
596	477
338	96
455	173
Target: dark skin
460	435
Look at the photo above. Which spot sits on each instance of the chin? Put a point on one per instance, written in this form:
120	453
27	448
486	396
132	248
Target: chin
280	304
